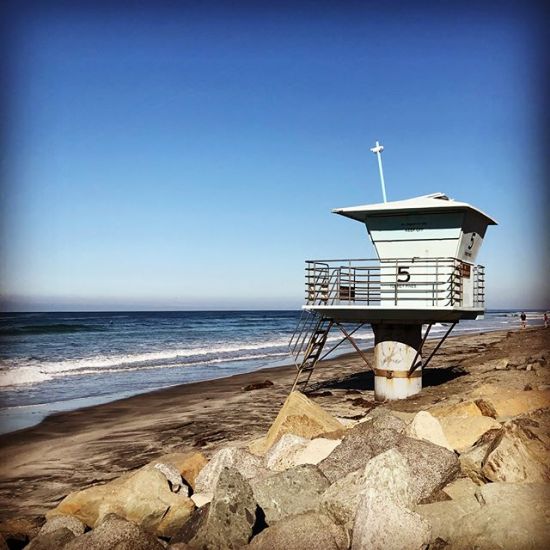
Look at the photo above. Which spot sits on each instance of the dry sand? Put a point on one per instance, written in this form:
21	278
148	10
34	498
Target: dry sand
74	450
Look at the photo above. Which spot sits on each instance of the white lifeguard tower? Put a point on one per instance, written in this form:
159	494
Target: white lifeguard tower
425	273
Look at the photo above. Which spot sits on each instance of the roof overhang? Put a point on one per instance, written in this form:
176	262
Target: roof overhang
436	202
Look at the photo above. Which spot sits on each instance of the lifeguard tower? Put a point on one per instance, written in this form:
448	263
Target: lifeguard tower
425	273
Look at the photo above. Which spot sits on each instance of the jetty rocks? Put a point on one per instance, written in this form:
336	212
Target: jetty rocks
470	471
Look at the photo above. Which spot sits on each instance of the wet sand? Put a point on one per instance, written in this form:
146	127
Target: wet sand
73	450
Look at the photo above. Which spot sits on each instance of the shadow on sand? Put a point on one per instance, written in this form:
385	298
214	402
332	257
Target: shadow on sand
365	380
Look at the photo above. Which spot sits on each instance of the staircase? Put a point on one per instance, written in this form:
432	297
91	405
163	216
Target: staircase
306	346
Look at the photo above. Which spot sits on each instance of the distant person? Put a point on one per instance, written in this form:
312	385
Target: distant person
523	318
545	320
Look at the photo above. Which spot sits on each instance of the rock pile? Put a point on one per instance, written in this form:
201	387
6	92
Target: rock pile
468	474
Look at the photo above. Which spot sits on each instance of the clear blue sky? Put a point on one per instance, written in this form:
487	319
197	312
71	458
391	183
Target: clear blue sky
172	157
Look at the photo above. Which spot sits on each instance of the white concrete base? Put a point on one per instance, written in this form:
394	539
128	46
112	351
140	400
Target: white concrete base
393	359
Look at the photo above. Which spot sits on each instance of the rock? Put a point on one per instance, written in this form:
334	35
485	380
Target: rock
190	528
432	466
512	402
115	532
57	522
341	499
511	516
389	474
471	462
516	456
316	450
445	517
246	464
426	427
360	444
179	546
461	488
387	492
18	531
143	497
382	523
172	475
231	515
498	364
289	493
258	385
462	408
302	532
53	540
189	464
282	455
298	416
486	408
463	431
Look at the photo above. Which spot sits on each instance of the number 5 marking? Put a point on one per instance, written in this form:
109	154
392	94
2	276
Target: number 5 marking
472	239
403	272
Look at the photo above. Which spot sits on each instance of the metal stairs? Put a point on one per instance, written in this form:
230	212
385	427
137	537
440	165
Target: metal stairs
306	346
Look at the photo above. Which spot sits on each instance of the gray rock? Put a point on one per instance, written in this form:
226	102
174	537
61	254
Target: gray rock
291	492
115	532
247	464
360	444
341	499
309	531
70	522
432	466
389	474
231	515
382	523
54	540
282	455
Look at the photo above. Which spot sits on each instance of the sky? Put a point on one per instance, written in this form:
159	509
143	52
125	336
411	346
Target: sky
187	155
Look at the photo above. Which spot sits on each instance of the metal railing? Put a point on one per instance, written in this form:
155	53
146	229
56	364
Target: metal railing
410	282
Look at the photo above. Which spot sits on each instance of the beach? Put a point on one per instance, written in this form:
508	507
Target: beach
73	450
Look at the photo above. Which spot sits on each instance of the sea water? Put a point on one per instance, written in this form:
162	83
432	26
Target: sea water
52	362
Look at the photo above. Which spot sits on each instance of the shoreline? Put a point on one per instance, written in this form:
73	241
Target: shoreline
73	450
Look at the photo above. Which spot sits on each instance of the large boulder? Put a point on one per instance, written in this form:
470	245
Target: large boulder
508	516
382	523
432	466
386	496
341	499
306	531
426	427
445	518
143	497
231	515
509	402
115	532
517	456
463	431
298	416
289	493
247	464
362	442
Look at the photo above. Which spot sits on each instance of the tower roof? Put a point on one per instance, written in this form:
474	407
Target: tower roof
425	203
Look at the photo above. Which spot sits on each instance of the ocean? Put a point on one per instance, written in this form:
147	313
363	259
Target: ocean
51	362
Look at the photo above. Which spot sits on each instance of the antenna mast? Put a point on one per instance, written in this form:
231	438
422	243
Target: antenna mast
377	150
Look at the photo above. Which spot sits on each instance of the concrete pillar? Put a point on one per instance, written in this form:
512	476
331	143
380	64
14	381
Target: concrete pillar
395	347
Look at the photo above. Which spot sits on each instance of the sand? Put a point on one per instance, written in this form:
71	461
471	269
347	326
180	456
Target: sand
73	450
